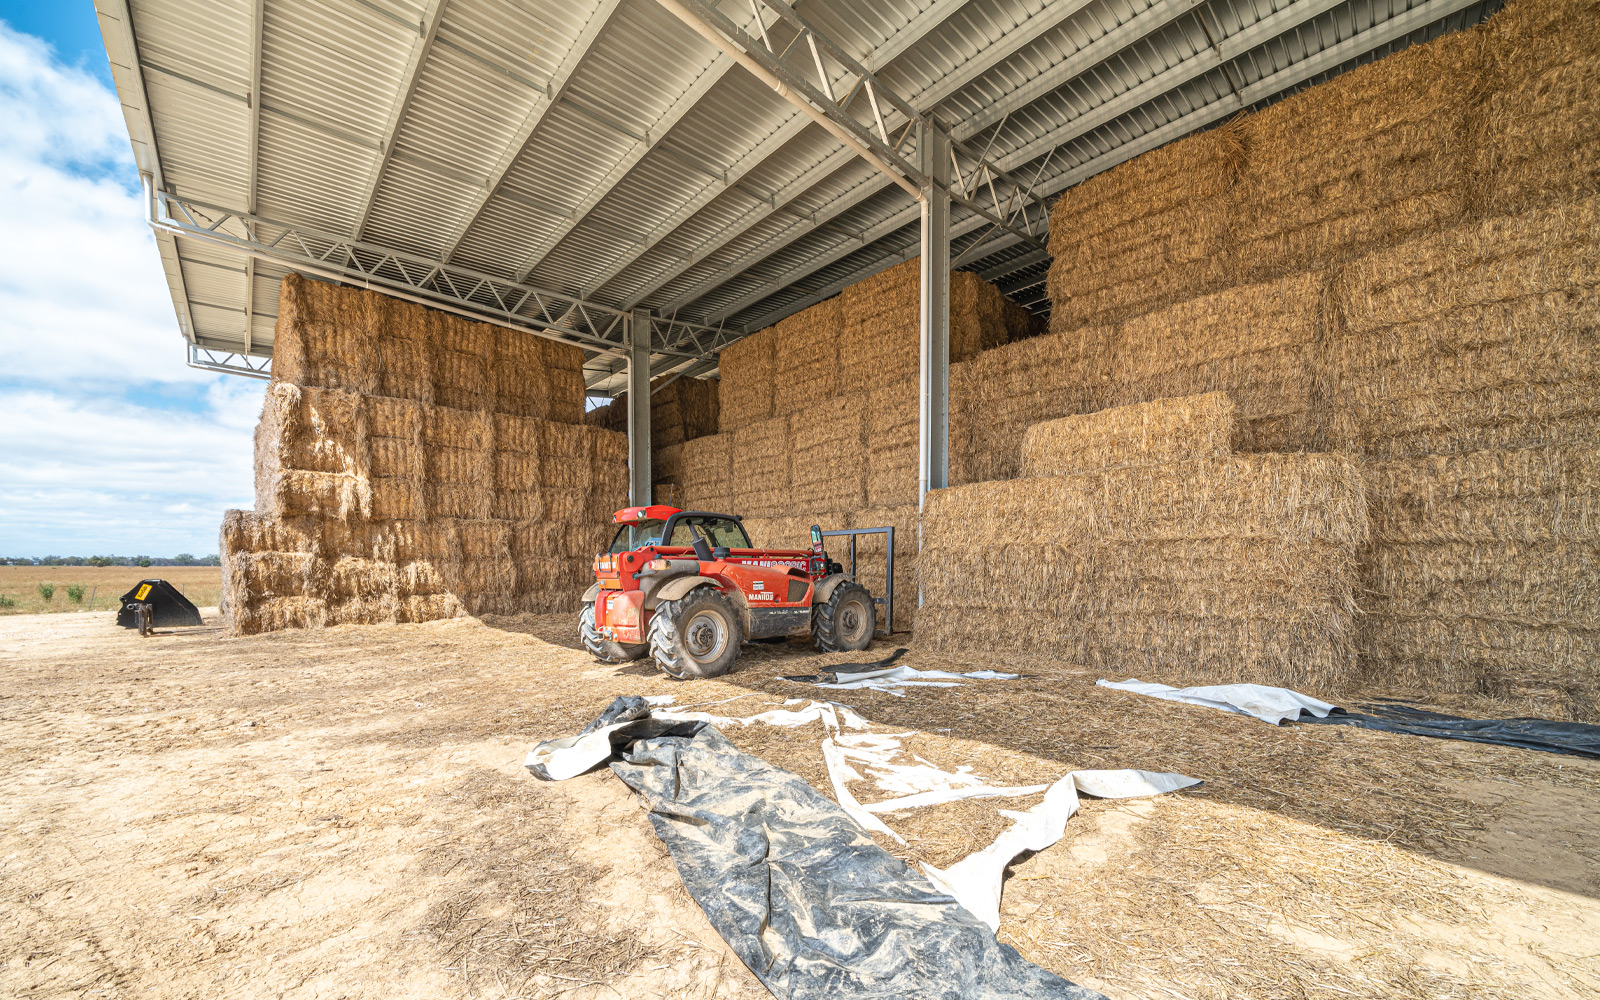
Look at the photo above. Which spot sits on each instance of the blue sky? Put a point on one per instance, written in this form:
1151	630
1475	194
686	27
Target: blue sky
109	444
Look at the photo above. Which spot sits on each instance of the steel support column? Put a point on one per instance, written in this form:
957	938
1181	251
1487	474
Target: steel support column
639	408
934	432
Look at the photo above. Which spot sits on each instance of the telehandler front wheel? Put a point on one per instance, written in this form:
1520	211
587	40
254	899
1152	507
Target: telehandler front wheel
845	621
604	649
697	635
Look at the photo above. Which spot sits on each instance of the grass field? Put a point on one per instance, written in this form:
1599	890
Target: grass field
200	584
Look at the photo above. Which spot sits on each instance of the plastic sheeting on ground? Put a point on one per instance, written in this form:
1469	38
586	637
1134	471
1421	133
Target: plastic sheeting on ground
976	880
893	680
1275	705
1269	704
1575	738
800	892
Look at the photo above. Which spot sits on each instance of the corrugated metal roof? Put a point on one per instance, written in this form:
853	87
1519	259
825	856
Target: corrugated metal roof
600	149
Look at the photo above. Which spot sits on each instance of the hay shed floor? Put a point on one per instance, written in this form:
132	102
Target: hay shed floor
344	813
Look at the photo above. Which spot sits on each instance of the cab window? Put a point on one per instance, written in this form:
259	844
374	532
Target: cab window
719	532
636	536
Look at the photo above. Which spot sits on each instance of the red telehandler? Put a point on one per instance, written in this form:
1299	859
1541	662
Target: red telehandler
688	588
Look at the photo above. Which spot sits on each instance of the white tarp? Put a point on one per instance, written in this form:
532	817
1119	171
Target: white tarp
1269	704
893	680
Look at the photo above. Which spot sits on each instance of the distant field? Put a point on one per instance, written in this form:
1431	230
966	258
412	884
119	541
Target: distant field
200	584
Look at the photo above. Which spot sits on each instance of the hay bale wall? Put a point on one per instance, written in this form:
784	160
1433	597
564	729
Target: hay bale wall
681	410
1162	558
1402	264
1493	120
376	501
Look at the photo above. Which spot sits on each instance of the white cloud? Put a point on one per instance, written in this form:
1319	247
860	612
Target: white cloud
111	444
83	477
82	293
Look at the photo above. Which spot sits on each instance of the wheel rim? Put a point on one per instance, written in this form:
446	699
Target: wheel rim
852	621
705	635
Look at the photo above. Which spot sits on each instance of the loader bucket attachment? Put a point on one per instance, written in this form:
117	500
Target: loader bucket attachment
168	607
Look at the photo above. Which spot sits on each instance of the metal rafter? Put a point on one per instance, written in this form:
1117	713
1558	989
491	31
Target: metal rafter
1096	52
432	17
474	294
907	36
508	157
227	362
1285	79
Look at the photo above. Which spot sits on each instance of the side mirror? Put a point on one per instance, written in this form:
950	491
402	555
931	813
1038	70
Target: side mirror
816	539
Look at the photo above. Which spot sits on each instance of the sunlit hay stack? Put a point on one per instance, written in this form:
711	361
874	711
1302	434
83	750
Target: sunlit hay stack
1480	576
1539	116
881	336
805	358
311	454
746	369
1363	160
827	460
891	430
997	395
870	551
1208	570
387	508
1156	433
1482	336
708	473
759	457
1146	233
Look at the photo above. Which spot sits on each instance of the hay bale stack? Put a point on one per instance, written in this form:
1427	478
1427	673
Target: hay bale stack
759	463
1200	571
1157	433
997	395
1362	161
1148	232
746	369
891	427
828	460
1480	576
881	325
1538	135
680	410
805	358
1483	336
1262	344
708	473
399	507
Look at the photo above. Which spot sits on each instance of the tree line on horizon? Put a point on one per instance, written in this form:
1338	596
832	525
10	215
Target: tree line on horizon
181	559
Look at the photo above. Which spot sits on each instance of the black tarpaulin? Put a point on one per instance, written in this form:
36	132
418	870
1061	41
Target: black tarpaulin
169	606
800	892
1528	734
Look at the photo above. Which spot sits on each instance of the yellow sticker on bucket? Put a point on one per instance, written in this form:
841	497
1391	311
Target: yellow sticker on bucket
144	591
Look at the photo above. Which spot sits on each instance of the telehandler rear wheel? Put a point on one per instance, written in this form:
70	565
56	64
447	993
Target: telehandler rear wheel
697	635
604	649
845	621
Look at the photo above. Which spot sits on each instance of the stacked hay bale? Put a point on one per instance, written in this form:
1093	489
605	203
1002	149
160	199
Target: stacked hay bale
1470	362
681	409
746	370
399	508
805	358
1160	555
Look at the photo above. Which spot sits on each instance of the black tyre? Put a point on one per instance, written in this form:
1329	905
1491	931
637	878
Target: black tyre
697	635
845	621
604	649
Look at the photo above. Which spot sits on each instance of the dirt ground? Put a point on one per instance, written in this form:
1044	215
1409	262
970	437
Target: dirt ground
102	585
344	814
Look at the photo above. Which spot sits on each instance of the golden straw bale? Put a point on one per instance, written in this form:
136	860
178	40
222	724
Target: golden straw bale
325	336
759	458
827	460
1532	495
1155	433
1538	583
398	497
1220	569
1539	136
746	369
